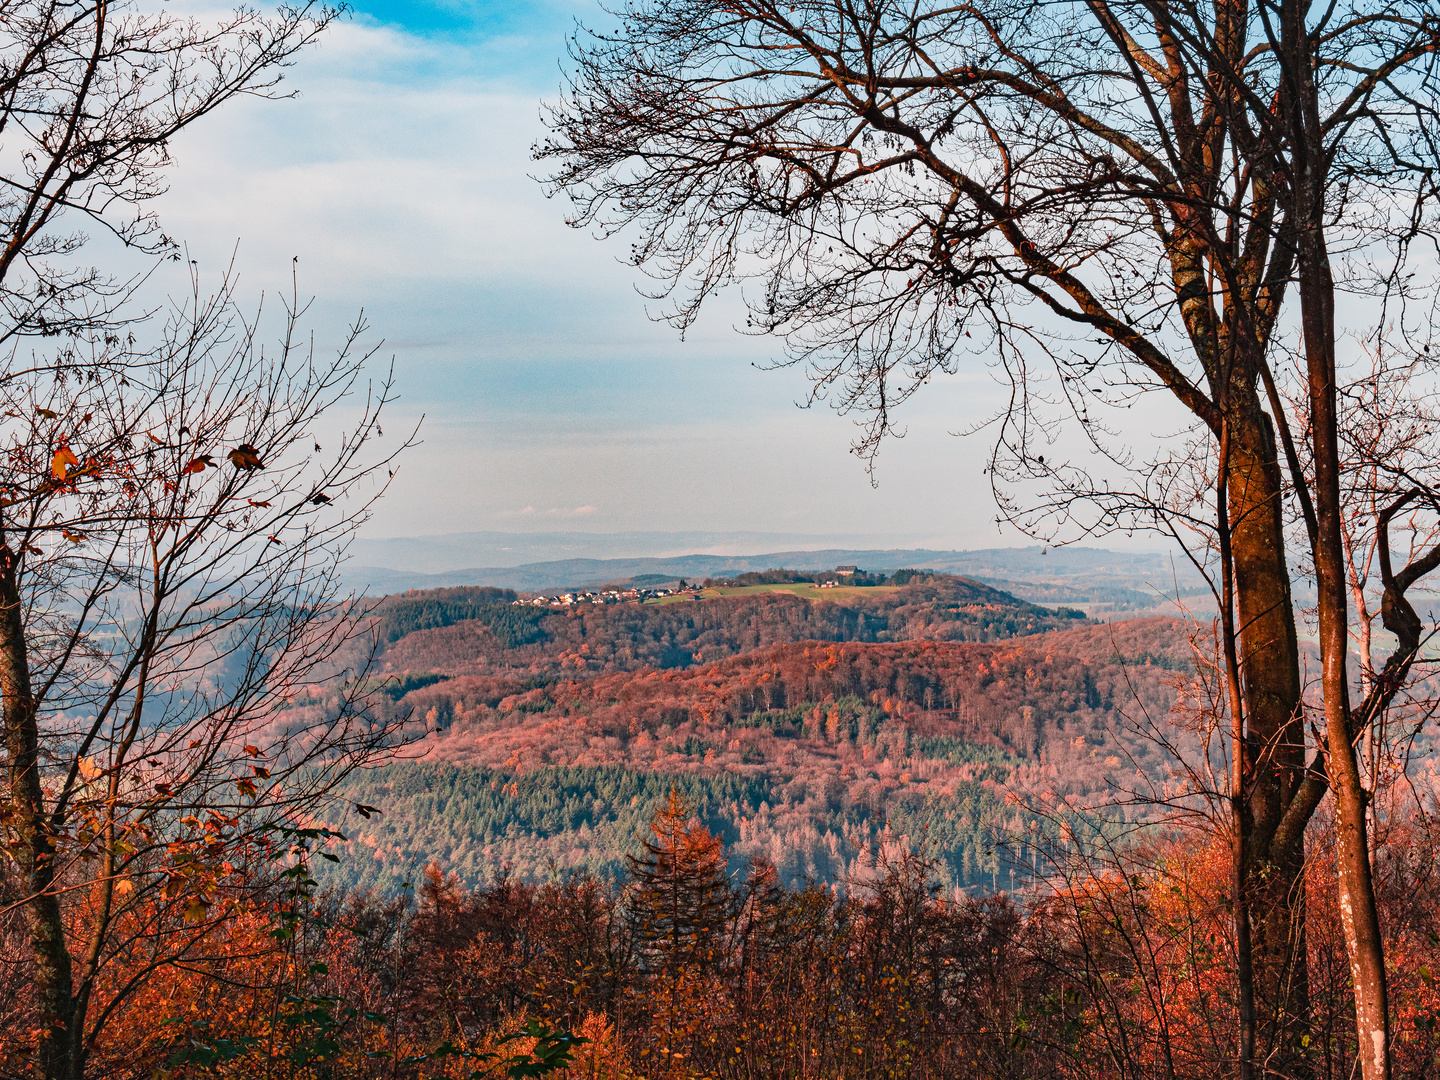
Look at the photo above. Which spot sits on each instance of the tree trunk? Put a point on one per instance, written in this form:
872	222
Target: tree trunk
36	851
1275	747
1359	915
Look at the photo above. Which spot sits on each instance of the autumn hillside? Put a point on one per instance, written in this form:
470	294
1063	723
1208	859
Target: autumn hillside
479	631
945	711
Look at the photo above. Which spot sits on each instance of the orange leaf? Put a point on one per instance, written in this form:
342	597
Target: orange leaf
246	786
63	461
260	505
246	457
200	464
253	751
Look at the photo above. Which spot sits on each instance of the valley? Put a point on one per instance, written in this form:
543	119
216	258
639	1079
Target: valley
940	714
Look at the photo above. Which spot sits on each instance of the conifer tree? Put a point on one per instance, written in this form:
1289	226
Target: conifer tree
681	901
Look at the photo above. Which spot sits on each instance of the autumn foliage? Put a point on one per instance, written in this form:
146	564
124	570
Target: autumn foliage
1122	966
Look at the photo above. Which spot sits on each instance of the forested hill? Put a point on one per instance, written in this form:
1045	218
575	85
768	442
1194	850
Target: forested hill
802	729
479	631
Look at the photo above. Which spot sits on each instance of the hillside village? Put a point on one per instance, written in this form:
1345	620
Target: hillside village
842	575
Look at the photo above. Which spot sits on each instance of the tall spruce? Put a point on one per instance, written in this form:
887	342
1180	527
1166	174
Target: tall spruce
681	901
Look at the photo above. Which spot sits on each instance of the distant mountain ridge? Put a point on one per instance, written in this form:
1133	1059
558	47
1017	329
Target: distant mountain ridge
452	552
1129	580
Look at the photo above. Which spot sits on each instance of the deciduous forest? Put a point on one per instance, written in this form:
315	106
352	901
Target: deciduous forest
955	836
553	752
904	825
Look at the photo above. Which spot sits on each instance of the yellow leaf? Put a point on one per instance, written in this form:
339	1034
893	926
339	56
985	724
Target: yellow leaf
196	910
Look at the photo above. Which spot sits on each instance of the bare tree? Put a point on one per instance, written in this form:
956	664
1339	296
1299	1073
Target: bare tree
170	541
1121	194
91	93
1387	437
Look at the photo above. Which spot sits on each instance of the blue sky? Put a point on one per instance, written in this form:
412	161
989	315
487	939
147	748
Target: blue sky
400	178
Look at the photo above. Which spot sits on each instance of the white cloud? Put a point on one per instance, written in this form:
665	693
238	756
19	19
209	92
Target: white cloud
396	165
400	178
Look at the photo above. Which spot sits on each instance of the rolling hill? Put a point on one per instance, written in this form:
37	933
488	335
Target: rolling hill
944	712
1101	580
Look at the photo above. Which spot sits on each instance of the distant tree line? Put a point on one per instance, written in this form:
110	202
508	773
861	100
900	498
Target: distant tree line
795	577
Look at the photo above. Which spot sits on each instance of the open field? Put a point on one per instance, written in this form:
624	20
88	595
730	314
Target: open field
804	590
